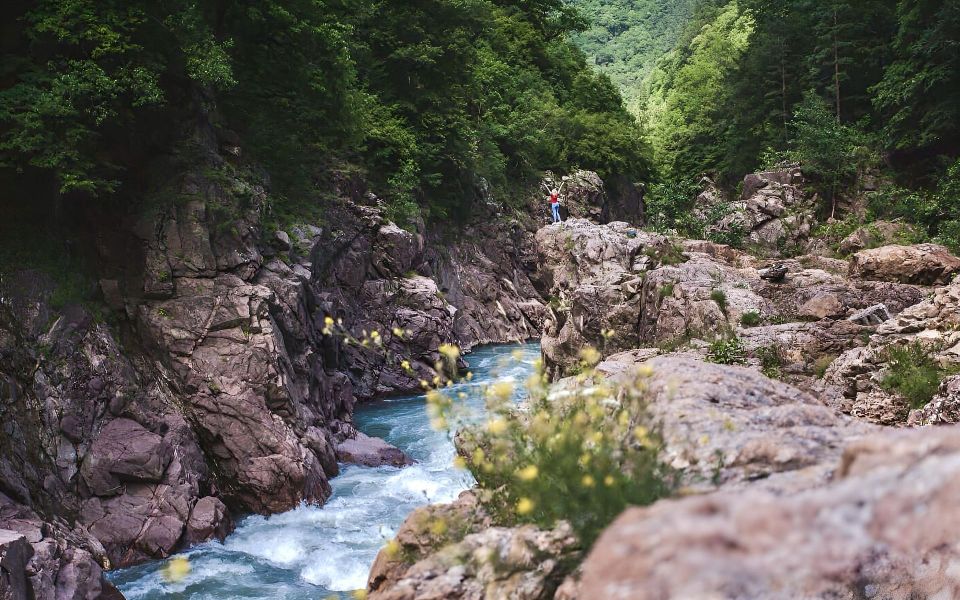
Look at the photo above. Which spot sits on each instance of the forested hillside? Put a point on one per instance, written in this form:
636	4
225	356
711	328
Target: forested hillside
625	38
852	89
421	97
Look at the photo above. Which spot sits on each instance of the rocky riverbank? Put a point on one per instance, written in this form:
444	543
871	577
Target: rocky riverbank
202	385
789	482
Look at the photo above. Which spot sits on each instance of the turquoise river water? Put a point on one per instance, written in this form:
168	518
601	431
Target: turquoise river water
315	552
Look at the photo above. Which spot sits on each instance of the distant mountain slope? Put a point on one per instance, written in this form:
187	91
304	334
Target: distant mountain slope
626	37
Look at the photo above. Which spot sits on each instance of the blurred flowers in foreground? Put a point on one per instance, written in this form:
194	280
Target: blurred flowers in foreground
177	569
579	451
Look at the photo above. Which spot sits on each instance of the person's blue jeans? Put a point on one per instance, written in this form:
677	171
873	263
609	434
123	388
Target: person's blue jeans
556	212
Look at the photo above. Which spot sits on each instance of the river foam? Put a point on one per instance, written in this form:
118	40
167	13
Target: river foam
312	552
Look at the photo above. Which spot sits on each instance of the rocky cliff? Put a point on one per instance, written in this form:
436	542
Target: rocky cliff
206	382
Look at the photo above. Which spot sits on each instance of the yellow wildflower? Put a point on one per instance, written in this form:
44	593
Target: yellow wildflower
424	384
497	426
459	463
645	371
590	356
528	473
392	549
177	569
642	434
588	481
501	390
438	527
478	456
449	351
328	321
405	365
397	332
525	506
608	480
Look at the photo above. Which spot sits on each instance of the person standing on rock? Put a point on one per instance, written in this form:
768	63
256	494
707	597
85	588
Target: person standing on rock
555	203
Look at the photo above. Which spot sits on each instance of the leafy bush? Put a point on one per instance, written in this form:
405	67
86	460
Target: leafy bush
912	373
720	297
770	361
727	350
751	318
581	457
821	365
936	210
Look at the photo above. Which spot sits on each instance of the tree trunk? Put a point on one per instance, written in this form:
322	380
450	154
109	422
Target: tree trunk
836	63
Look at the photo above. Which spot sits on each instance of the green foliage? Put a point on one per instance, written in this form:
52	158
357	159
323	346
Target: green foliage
751	318
720	297
937	211
831	151
626	37
426	98
821	365
582	459
727	350
670	206
771	363
912	373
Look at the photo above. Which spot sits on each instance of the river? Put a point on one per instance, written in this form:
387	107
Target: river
315	552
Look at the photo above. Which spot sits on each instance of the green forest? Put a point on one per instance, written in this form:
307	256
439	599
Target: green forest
424	99
845	88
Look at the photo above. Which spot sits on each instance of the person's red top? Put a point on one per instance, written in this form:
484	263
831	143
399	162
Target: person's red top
554	198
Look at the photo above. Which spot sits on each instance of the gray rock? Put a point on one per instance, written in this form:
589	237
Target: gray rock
15	553
872	315
922	264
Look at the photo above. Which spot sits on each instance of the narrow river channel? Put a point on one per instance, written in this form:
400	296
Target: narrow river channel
315	552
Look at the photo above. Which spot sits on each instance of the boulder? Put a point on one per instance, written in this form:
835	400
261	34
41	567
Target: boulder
15	554
883	528
523	563
921	264
371	452
944	409
124	452
209	520
823	306
724	425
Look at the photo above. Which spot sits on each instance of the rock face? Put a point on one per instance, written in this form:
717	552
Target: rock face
773	211
859	372
215	389
922	264
861	536
525	563
616	288
586	196
724	425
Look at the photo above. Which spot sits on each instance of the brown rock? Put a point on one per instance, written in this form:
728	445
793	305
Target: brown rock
209	519
882	529
823	306
922	264
371	452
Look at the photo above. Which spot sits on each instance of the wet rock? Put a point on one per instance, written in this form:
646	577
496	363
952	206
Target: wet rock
424	531
922	264
371	452
209	519
861	535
